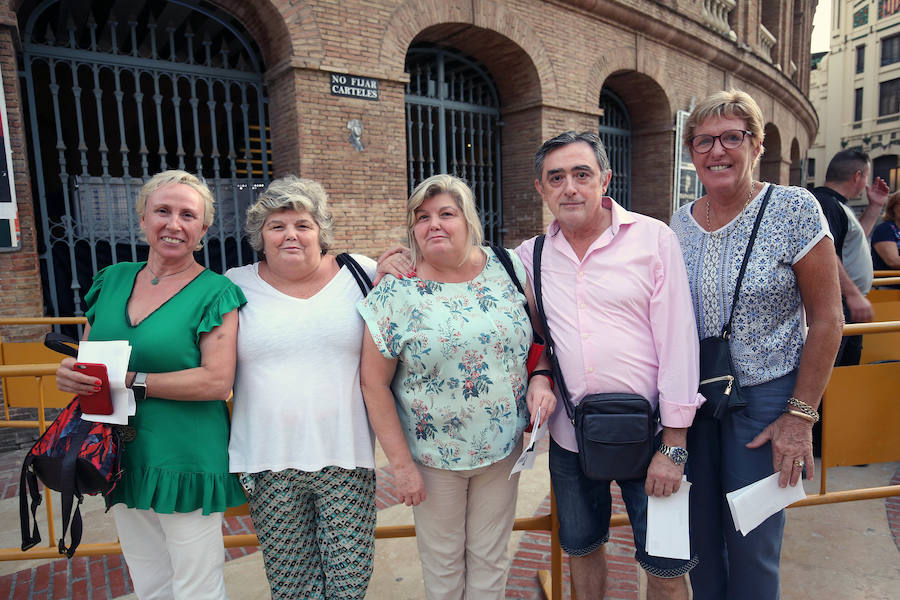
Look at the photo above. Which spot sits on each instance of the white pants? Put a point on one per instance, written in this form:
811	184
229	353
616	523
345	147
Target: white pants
173	557
463	527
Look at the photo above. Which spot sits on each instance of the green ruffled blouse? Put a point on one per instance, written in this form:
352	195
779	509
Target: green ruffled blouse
179	460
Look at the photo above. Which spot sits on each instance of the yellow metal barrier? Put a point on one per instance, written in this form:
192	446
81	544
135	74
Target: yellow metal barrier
836	437
887	273
22	392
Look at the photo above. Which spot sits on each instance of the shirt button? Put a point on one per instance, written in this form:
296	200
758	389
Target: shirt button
583	305
590	369
584	335
581	273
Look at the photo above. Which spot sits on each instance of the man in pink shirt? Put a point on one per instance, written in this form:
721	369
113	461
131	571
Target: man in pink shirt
618	307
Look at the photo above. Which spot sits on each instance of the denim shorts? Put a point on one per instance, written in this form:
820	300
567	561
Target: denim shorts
584	507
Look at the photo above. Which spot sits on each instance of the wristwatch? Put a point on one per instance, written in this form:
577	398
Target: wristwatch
678	454
139	386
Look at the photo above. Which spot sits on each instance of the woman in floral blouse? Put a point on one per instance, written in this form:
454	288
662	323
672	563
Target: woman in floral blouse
443	377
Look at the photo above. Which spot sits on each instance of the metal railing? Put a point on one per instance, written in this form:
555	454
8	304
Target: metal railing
879	281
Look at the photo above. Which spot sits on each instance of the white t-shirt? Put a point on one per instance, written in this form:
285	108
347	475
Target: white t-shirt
857	255
297	400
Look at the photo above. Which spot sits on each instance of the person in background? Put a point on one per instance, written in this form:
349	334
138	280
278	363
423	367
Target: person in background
181	321
444	380
299	432
846	178
886	237
782	373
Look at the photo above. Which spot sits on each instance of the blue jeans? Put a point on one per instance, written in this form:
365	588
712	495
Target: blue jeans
584	506
732	566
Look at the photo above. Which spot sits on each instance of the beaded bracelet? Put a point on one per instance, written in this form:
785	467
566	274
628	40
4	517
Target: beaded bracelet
808	411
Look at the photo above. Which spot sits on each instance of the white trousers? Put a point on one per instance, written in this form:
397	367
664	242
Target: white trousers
463	528
173	557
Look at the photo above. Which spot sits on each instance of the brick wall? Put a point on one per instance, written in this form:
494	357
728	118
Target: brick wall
549	62
20	282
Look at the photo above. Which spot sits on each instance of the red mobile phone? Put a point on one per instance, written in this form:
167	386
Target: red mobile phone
98	403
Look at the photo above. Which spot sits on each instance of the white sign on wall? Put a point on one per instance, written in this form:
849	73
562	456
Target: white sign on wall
9	214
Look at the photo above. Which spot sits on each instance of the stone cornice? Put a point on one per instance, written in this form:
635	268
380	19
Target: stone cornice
685	35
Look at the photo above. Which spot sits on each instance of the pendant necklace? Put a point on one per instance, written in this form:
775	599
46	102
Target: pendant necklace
156	277
746	204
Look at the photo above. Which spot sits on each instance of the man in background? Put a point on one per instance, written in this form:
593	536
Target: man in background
845	179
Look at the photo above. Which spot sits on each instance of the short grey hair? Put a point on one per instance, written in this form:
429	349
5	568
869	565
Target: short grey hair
459	191
570	137
291	193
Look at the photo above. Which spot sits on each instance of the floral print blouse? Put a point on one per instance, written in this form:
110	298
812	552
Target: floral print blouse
461	349
767	333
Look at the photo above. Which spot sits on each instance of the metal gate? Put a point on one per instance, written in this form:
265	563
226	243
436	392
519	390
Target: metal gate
113	98
453	126
615	131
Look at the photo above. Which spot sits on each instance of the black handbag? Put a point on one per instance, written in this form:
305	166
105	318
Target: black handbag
718	377
616	433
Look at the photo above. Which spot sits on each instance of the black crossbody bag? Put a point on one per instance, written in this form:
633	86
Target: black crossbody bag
718	378
616	433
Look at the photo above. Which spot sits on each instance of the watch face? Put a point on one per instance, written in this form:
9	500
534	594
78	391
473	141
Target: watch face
678	455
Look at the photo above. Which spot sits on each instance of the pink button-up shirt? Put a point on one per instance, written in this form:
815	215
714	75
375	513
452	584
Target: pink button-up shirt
621	318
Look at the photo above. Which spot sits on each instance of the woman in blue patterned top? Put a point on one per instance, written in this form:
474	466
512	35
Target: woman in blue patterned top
443	377
782	374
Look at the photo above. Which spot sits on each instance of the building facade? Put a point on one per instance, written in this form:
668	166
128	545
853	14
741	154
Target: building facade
367	97
855	88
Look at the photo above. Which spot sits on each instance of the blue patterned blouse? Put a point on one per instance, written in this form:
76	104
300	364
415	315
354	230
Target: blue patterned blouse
767	332
461	349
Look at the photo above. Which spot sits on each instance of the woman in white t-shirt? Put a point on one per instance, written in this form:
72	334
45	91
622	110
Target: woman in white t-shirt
299	432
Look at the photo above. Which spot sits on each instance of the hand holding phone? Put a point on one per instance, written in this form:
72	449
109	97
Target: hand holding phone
100	402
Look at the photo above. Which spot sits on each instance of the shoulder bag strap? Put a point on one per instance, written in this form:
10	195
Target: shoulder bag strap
726	330
359	274
551	348
502	255
28	486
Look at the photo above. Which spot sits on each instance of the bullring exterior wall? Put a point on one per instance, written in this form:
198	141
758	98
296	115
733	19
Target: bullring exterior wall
549	60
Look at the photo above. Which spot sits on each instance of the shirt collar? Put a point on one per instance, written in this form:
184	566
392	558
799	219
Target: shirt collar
620	217
837	195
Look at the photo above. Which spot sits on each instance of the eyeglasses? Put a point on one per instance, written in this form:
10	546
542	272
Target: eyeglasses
731	139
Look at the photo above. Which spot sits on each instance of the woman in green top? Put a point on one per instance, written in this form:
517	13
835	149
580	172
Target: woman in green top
181	321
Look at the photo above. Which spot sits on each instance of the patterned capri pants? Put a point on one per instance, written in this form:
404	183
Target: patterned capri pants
316	530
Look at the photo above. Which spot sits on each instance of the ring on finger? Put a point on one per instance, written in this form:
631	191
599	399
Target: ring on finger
798	462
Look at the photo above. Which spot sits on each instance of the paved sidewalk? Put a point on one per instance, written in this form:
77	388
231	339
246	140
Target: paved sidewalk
848	551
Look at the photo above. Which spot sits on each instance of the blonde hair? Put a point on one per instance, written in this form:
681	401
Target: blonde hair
459	191
177	177
727	104
173	177
291	193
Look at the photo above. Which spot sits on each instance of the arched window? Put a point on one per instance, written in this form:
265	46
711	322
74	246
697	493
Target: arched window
615	131
117	92
453	126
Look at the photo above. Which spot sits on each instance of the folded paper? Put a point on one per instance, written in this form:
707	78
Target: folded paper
753	504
